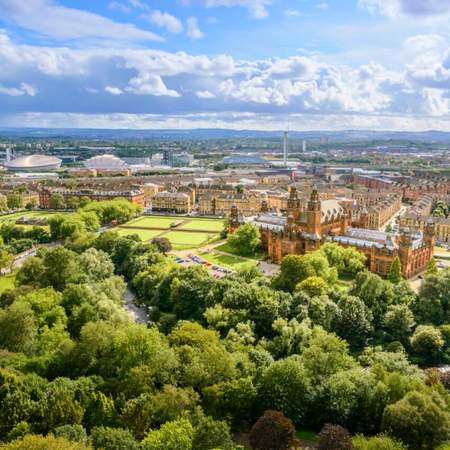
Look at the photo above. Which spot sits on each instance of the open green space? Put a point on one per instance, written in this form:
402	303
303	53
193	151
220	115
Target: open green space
15	216
154	221
181	240
228	261
307	436
215	225
441	250
258	256
7	282
145	235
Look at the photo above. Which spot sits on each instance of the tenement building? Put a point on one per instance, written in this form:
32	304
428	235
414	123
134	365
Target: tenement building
302	230
134	196
172	202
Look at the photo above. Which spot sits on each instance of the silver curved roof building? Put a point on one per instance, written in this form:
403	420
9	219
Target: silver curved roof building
105	162
34	163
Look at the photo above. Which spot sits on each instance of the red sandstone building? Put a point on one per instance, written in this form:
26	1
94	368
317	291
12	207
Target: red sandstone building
300	231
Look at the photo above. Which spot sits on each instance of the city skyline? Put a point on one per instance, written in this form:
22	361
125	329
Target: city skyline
239	64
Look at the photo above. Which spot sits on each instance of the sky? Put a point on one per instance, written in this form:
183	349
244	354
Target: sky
238	64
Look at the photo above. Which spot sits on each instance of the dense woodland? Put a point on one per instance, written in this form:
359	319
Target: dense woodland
323	345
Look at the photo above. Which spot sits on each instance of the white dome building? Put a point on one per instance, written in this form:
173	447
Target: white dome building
34	163
105	162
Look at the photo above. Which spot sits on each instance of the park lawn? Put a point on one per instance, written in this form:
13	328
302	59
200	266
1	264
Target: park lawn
258	256
145	235
154	221
228	261
215	225
181	239
441	250
7	282
17	215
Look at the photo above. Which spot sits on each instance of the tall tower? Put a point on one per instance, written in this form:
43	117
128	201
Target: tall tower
314	213
304	146
285	147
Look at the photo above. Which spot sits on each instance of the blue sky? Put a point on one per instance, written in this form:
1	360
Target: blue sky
259	64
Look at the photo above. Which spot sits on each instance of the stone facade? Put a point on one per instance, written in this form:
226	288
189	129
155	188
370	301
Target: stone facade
300	231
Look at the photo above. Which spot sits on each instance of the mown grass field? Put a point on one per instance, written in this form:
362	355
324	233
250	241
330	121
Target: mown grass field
203	224
258	256
228	261
181	238
15	216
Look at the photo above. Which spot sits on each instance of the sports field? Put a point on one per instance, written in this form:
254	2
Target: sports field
189	233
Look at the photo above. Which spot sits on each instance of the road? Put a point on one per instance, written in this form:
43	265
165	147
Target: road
392	221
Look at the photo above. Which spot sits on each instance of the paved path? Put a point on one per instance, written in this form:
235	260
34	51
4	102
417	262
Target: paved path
138	313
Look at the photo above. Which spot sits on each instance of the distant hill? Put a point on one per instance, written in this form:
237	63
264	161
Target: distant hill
217	133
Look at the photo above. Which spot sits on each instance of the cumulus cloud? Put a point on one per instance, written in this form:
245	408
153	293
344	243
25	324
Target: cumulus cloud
165	20
205	94
56	21
395	8
193	30
150	84
22	89
256	8
113	90
139	81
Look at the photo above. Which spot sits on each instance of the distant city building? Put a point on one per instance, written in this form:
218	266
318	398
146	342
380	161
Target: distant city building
248	160
183	159
33	163
106	163
167	159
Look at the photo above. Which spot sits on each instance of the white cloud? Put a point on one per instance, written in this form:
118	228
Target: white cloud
165	20
205	94
60	22
297	85
292	13
113	90
423	42
256	8
322	5
193	30
396	8
22	89
150	84
118	6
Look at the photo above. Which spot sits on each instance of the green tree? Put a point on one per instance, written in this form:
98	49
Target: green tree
380	442
375	292
56	201
313	286
113	439
33	442
245	240
14	200
353	321
176	435
399	323
395	271
285	386
427	343
96	264
418	420
18	328
432	268
74	433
